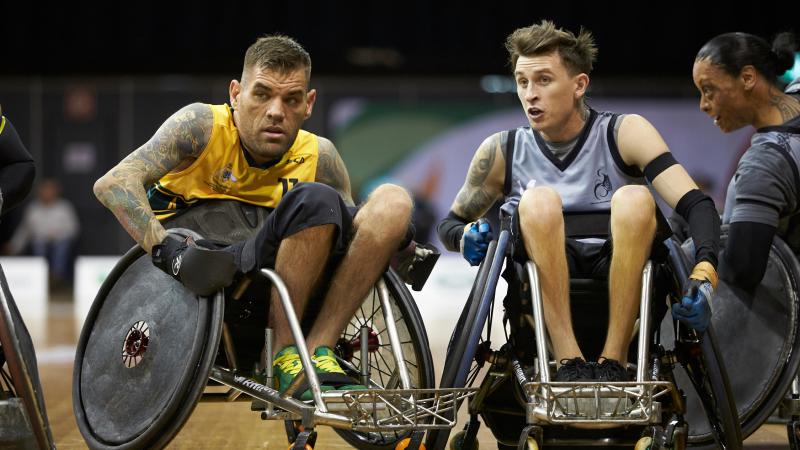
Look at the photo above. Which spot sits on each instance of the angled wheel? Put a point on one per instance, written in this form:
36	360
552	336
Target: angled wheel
143	357
383	370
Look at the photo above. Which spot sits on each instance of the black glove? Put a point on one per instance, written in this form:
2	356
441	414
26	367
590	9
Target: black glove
203	271
414	263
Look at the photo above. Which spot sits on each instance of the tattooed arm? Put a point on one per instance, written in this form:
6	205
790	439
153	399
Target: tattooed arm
485	178
331	170
122	190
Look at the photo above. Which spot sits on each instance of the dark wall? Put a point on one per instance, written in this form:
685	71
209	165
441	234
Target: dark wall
409	37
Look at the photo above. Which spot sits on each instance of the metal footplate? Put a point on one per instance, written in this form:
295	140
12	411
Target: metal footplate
370	410
595	404
384	410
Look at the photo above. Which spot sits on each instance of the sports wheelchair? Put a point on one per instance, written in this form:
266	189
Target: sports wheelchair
149	347
525	409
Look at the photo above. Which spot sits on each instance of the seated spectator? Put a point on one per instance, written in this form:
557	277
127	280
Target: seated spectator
49	228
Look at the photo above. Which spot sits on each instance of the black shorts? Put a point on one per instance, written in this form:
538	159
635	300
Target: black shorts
304	206
584	259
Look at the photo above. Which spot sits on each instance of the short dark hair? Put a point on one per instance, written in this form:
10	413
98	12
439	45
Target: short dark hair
277	52
732	51
577	52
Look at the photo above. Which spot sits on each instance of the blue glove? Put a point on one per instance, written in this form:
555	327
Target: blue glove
475	241
694	309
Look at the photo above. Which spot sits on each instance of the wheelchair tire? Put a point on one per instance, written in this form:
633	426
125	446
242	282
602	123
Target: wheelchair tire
416	350
756	393
456	348
710	380
164	381
457	442
21	376
708	375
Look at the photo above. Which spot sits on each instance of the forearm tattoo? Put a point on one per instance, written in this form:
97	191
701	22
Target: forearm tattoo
182	136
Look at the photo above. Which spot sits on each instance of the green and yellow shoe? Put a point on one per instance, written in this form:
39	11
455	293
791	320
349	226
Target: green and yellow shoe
330	373
286	366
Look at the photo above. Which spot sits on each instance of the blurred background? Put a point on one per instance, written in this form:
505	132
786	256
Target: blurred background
406	91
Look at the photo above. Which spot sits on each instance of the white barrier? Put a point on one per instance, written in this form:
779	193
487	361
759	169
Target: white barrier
28	283
90	272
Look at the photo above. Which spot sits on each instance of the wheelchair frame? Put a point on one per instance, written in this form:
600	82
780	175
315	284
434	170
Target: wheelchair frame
405	409
594	405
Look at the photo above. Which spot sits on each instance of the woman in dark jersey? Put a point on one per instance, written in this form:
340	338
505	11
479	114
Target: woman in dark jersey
737	76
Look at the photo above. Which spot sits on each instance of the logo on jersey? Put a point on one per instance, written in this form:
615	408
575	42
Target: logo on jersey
603	186
222	180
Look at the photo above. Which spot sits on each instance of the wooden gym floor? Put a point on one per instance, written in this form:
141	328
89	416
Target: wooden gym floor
226	425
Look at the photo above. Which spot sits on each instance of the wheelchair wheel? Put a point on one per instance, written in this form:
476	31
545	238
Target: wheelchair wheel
143	357
458	349
457	442
758	336
710	379
20	388
416	351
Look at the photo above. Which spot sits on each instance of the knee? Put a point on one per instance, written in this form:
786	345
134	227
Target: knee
389	201
540	210
633	205
311	194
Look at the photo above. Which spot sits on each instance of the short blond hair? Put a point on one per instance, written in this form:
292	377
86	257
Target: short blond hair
578	53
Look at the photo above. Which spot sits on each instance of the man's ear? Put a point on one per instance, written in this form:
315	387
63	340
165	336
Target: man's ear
581	85
234	90
311	97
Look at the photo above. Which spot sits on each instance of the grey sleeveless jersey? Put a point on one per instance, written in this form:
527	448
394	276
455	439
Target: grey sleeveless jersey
586	179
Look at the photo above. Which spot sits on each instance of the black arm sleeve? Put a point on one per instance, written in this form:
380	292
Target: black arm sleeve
744	260
699	211
16	167
450	230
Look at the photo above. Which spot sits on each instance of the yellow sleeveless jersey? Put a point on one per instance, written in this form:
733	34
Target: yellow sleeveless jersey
223	172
